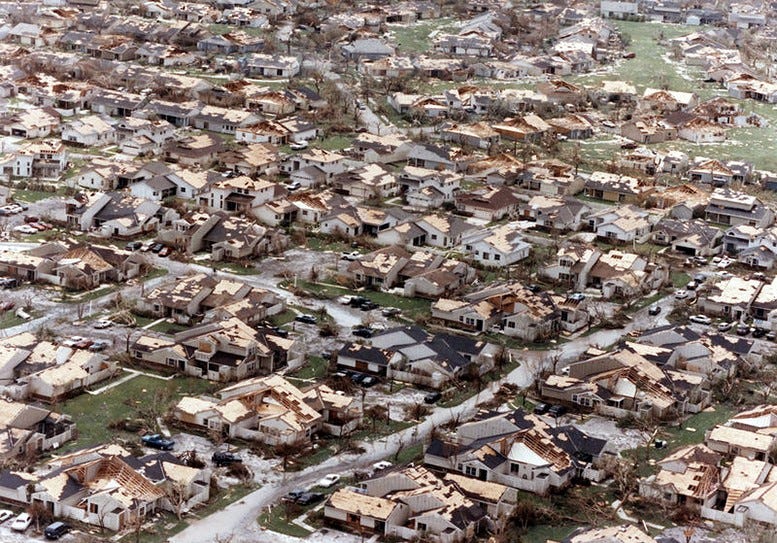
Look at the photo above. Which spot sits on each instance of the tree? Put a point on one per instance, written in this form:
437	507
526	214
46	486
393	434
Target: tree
288	450
177	494
377	413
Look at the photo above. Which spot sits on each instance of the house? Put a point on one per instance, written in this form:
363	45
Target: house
431	157
109	488
556	213
689	237
240	194
629	382
511	309
490	204
89	131
367	49
479	135
666	101
197	151
572	265
385	149
45	159
405	504
551	177
443	231
272	411
31	123
497	246
28	429
75	373
471	45
730	298
620	274
572	126
626	533
617	188
622	224
712	172
648	130
222	120
224	351
253	159
371	181
736	208
115	214
521	451
84	267
262	65
526	128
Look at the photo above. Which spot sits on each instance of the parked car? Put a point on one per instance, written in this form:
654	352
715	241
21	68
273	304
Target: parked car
9	282
691	285
166	251
294	185
280	332
700	319
356	377
362	331
84	344
7	306
725	326
158	441
557	410
432	397
5	514
383	464
329	480
309	498
307	319
771	336
369	305
25	229
102	323
99	345
146	246
654	310
759	332
294	494
133	245
55	530
299	145
681	294
391	312
353	255
541	408
369	381
356	301
222	458
21	523
71	342
156	247
743	330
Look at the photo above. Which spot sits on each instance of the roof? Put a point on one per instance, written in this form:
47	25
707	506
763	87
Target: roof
349	501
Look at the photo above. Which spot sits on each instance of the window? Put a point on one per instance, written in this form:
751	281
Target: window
497	257
511	324
93	508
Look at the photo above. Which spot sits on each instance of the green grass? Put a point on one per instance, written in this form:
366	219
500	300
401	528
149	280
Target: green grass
544	532
381	429
236	268
314	369
8	319
283	318
410	454
416	38
275	521
169	328
333	143
32	196
92	413
154	273
411	307
318	243
644	302
140	322
81	297
680	279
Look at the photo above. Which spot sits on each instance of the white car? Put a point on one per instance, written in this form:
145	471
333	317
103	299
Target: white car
681	294
700	319
299	145
25	229
5	514
72	341
103	323
21	523
725	262
383	464
294	185
330	480
353	255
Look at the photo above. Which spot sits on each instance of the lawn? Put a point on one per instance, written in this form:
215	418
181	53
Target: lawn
314	369
276	521
316	243
411	307
333	143
93	413
409	454
32	196
417	37
680	279
283	318
9	319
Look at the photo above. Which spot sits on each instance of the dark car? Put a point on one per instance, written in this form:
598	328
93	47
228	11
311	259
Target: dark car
759	332
369	381
221	459
357	377
654	310
9	282
55	530
369	305
356	301
295	494
155	248
307	319
541	408
157	441
166	251
99	345
432	397
362	331
391	312
743	330
280	332
557	410
133	245
309	498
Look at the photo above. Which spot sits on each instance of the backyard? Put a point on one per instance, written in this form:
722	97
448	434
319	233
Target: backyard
141	395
